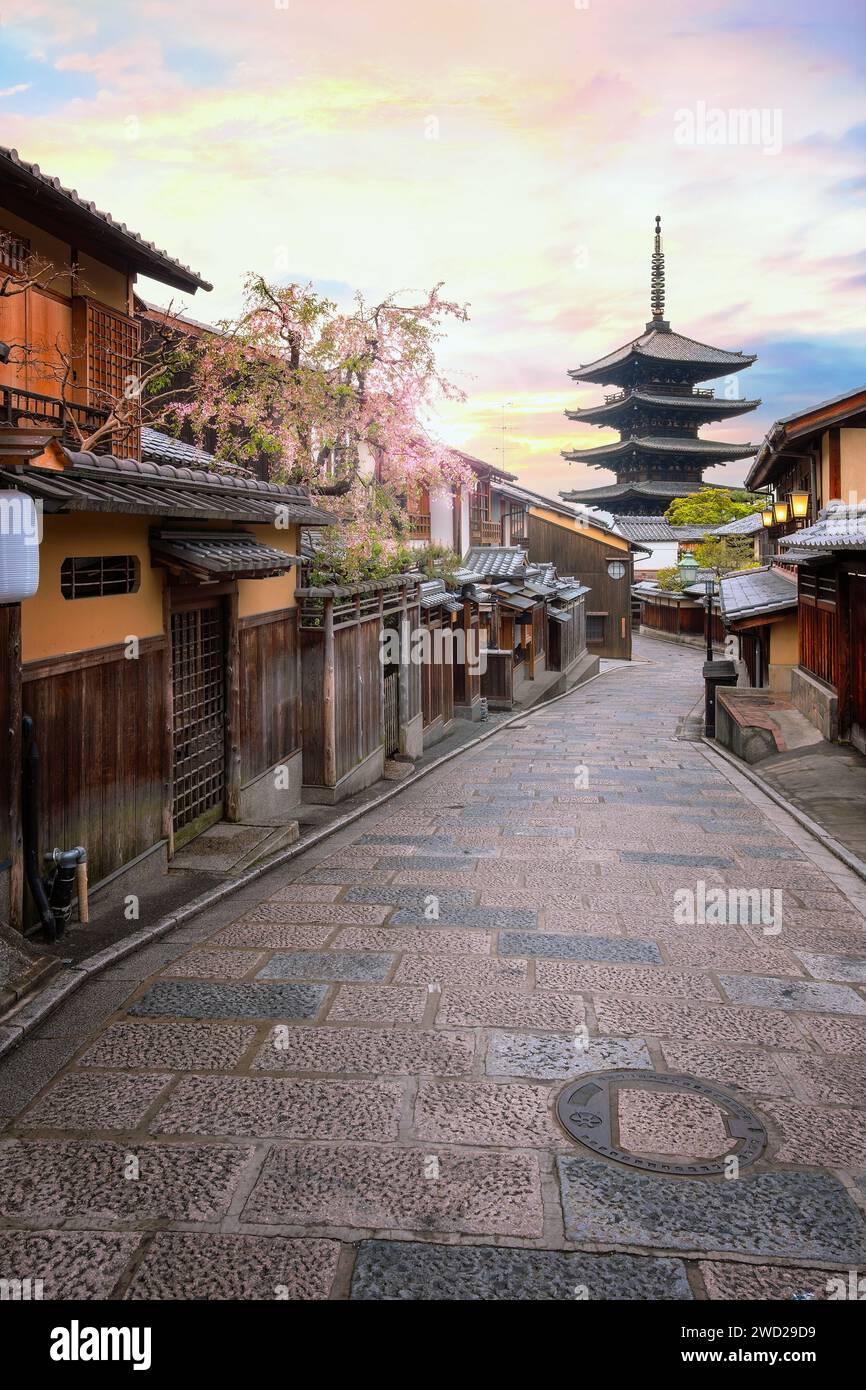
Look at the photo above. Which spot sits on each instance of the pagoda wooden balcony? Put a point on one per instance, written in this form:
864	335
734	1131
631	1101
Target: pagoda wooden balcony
485	533
419	526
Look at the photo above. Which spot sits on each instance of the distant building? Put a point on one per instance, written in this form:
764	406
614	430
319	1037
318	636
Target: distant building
658	409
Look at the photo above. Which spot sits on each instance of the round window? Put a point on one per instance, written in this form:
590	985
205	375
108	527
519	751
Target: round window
616	569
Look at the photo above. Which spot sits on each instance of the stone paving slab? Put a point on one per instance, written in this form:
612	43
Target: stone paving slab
417	941
802	1216
735	1068
214	965
492	918
624	979
67	1264
751	1283
505	1007
88	1101
179	1046
410	1189
585	948
357	966
276	935
316	914
758	990
398	1270
190	1265
379	1051
511	1115
697	1022
57	1180
471	971
276	1107
832	967
196	1000
413	899
378	1004
552	1056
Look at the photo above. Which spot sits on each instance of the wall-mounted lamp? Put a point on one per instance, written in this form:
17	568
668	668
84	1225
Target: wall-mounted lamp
780	512
800	504
767	516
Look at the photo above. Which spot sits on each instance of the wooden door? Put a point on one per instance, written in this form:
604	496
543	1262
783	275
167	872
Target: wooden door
198	679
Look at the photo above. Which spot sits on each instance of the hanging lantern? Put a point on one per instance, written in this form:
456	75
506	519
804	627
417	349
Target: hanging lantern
19	547
780	512
800	504
767	516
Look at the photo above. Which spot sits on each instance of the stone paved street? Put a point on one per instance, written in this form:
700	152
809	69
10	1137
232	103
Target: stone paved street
349	1087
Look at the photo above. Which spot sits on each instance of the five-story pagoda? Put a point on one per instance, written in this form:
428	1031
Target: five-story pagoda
658	411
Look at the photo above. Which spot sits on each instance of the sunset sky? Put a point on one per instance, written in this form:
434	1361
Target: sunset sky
516	151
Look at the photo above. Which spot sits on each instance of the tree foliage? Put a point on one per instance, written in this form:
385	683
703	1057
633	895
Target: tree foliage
710	506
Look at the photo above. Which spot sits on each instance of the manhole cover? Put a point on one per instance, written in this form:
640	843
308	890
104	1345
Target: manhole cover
588	1108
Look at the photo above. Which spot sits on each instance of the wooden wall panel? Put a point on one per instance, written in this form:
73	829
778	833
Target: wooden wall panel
269	724
11	874
586	559
98	726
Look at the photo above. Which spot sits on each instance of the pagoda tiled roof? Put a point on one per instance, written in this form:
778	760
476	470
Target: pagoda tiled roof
717	449
708	407
661	488
662	345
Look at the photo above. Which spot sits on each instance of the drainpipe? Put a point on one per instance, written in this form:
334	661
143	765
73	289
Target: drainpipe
69	865
30	828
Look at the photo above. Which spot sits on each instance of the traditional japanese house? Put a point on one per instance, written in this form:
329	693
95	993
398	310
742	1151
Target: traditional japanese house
155	655
577	544
759	606
159	654
657	408
814	467
680	614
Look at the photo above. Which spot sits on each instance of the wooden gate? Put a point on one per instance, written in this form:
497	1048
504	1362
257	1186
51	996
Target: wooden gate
198	718
392	713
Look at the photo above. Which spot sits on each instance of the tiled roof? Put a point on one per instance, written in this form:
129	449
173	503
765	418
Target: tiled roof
708	407
751	593
644	528
649	444
98	482
66	203
692	533
742	526
495	561
212	553
658	487
840	526
434	594
157	447
532	499
666	346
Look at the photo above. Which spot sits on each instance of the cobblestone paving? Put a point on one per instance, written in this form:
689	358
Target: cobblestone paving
344	1082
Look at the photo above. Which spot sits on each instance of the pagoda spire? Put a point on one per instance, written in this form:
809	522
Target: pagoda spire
657	277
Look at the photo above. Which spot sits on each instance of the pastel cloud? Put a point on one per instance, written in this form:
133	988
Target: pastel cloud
517	152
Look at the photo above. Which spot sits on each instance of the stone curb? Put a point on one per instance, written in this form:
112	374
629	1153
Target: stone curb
15	1026
848	858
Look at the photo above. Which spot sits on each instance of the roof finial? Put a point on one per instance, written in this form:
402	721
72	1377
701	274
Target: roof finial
657	277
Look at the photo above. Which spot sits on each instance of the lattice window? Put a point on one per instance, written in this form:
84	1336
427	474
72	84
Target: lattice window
98	576
14	250
112	363
595	627
198	713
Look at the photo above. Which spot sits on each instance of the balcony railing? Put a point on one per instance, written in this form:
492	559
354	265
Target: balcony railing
28	408
485	533
419	526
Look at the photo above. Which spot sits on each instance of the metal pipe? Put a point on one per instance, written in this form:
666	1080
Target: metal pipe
30	828
66	865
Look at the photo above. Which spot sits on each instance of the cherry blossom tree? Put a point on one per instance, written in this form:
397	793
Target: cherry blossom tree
337	399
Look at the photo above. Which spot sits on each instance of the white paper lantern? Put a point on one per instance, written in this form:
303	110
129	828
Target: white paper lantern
19	547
